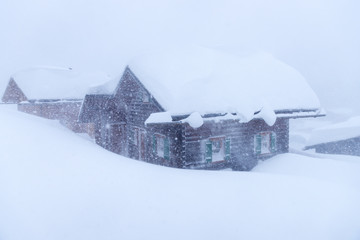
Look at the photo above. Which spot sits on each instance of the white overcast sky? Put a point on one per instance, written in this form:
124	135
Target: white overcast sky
320	38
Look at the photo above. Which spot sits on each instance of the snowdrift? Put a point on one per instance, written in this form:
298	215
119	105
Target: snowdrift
55	184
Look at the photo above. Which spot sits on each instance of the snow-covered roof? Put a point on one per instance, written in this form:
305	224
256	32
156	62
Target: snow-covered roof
56	83
105	88
335	132
209	81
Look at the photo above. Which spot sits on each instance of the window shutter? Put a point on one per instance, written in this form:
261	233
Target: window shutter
154	144
208	152
227	149
136	136
273	142
258	143
166	149
133	135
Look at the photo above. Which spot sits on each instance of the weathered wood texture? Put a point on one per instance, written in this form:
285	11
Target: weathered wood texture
347	147
241	137
65	111
126	108
174	132
132	99
13	94
93	107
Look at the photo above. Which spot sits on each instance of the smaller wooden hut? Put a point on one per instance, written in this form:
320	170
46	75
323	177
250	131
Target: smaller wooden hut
339	138
53	93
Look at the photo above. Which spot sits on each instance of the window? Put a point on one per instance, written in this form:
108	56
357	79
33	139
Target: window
217	149
265	143
161	146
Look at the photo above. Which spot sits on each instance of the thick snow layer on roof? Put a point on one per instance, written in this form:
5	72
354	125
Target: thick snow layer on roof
201	80
268	115
56	83
336	132
106	88
194	120
160	117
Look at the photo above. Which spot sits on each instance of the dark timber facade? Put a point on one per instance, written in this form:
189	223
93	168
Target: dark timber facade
119	120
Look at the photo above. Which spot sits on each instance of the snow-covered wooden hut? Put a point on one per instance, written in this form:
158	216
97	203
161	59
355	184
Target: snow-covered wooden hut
52	92
338	138
200	108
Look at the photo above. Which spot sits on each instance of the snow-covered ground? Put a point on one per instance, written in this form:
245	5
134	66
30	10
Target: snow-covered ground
55	184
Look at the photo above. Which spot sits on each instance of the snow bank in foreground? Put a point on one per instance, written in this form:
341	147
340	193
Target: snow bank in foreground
338	170
55	184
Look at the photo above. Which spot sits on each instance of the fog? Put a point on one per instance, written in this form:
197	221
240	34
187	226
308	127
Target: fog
319	38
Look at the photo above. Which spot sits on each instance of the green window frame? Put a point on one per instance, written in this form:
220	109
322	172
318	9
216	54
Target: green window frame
208	151
161	146
227	149
166	149
217	149
258	144
270	144
273	142
154	144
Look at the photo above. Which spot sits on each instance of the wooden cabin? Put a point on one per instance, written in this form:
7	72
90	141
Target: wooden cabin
152	118
53	93
338	138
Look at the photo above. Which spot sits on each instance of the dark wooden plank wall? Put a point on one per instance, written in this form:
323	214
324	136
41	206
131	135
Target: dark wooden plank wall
13	94
248	157
242	142
94	106
105	114
194	139
172	131
106	130
128	99
65	111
